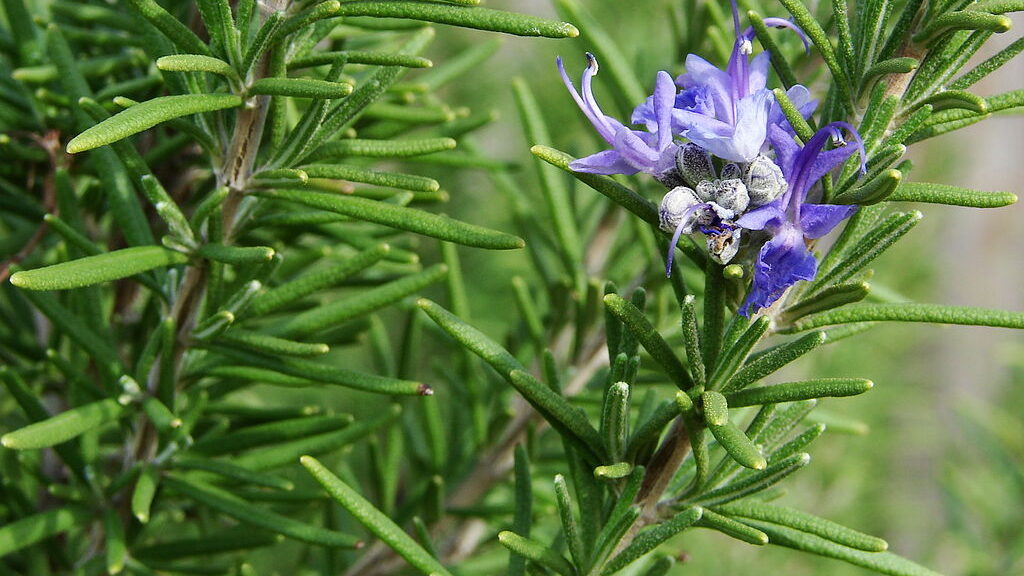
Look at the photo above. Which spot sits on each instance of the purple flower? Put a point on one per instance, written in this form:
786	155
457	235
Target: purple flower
652	152
727	112
790	219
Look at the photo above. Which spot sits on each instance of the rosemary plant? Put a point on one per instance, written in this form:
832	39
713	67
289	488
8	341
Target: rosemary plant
219	219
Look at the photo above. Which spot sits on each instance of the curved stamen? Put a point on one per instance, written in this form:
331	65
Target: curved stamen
772	22
587	88
679	232
672	248
810	152
599	123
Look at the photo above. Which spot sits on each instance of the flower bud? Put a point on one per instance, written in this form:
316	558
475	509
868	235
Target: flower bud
764	181
731	195
732	170
678	204
694	164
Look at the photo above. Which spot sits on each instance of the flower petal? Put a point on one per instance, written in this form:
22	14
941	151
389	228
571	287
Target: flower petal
767	216
816	220
606	162
758	73
700	72
782	262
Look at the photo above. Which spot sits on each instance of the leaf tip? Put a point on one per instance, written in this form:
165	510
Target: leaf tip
18	279
8	442
424	390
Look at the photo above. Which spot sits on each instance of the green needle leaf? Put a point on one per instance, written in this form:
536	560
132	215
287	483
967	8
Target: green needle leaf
374	520
913	312
170	26
570	421
300	88
962	20
570	526
272	433
318	372
25	532
315	281
64	426
287	453
650	539
385	148
377	178
730	527
646	334
196	63
615	419
882	562
145	490
537	552
224	540
754	482
271	345
372	57
467	17
344	309
236	255
732	439
804	522
233	506
832	297
232	472
97	269
804	390
145	115
952	195
402	218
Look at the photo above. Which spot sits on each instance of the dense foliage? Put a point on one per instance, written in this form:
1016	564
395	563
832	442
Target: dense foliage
217	219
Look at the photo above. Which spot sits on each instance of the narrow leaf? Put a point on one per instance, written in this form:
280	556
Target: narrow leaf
467	17
97	269
556	409
196	63
374	177
385	148
145	115
374	520
755	482
237	508
952	195
730	527
325	373
804	522
300	88
804	390
646	334
650	539
882	562
334	313
30	530
410	219
537	552
913	312
144	492
64	426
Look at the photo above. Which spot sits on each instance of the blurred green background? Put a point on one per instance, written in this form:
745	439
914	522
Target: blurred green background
940	474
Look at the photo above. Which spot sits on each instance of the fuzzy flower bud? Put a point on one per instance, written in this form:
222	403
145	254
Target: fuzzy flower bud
764	181
694	164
